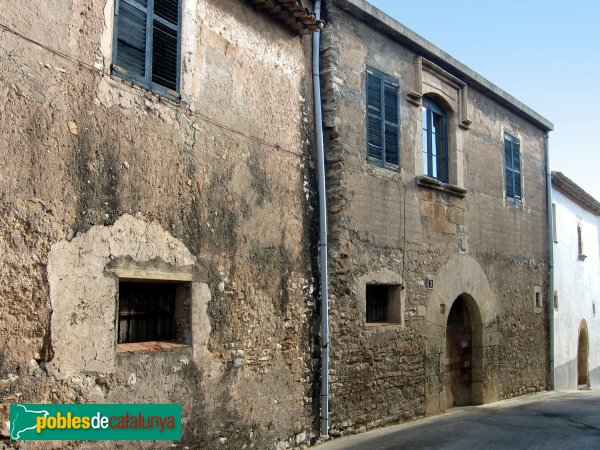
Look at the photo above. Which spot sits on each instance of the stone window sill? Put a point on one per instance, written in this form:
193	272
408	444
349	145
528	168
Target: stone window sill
381	324
433	183
381	165
153	346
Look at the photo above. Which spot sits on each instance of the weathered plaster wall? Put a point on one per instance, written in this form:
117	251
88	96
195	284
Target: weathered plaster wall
577	283
217	186
383	222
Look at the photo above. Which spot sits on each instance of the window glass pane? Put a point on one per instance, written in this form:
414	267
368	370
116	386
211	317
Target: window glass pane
441	167
436	147
438	124
424	134
131	40
440	152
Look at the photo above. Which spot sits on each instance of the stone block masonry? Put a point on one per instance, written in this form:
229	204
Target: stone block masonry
443	242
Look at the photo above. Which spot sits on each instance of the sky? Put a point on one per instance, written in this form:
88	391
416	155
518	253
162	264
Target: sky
544	53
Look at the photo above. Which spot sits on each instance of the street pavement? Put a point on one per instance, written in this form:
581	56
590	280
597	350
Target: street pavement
548	420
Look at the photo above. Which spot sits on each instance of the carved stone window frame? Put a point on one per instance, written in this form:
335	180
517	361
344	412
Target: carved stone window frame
415	96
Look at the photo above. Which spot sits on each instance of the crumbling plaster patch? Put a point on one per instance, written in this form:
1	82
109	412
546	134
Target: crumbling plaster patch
83	293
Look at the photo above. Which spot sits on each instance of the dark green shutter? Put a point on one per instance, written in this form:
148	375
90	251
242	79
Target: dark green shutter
164	43
374	116
517	169
512	167
131	39
383	143
147	35
391	123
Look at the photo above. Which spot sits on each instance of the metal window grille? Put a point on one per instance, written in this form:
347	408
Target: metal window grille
146	312
377	303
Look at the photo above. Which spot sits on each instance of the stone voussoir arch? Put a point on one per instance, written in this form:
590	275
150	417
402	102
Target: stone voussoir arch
461	276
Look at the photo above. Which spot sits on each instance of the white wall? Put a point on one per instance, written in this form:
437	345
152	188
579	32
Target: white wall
578	285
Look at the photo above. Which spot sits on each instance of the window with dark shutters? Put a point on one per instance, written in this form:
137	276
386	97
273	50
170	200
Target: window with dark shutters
147	35
383	144
512	167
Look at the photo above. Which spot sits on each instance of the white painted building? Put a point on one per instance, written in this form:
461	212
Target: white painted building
576	217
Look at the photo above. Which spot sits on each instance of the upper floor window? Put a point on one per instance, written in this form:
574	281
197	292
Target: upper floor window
435	140
512	167
146	43
383	145
580	252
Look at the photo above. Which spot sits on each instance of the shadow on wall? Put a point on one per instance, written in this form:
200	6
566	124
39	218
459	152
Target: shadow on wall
565	376
595	378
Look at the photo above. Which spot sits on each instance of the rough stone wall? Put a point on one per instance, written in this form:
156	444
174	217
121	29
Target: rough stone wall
391	226
216	186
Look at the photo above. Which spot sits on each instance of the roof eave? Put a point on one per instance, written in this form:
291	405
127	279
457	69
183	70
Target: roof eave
387	25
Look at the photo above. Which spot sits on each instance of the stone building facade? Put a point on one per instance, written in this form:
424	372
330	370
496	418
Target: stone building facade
193	184
170	157
576	217
438	227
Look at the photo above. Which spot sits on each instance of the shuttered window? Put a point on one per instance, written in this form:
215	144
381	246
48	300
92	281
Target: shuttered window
146	43
512	167
383	144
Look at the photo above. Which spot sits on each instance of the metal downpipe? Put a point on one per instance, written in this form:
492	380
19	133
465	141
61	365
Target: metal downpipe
316	38
550	263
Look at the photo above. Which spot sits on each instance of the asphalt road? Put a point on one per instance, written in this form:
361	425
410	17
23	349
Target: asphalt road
550	420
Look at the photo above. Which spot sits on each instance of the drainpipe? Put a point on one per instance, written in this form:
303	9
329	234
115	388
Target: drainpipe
550	261
316	37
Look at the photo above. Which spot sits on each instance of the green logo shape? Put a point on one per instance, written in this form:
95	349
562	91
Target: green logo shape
95	422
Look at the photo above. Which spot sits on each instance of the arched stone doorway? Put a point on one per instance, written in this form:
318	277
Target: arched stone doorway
463	353
582	357
461	278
